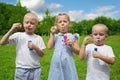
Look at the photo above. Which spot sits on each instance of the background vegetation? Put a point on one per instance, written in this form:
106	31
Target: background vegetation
10	14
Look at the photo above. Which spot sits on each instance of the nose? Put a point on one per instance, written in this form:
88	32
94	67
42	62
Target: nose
98	36
28	24
62	24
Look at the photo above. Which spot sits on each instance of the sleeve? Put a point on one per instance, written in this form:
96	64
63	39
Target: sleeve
88	50
41	43
76	35
110	52
13	39
55	38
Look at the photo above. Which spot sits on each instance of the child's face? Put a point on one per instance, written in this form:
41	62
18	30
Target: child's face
63	23
99	34
30	23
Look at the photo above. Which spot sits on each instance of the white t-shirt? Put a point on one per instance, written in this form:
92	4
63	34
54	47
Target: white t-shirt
26	58
96	68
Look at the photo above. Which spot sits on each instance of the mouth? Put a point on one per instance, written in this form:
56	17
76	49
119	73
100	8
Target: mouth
97	41
28	28
62	28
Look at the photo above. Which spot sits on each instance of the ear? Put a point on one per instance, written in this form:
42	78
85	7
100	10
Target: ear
91	35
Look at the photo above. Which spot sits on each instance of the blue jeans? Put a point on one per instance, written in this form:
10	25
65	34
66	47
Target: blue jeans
27	74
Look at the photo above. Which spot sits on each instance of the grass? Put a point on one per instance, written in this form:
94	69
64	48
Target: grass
7	60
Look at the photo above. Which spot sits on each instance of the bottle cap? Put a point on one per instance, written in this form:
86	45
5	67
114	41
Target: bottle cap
95	49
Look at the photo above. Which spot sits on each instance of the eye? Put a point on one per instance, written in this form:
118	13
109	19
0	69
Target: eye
26	22
95	34
32	23
101	34
65	21
59	21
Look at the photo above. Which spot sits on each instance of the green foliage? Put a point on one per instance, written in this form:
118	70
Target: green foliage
113	25
10	14
45	24
18	3
83	27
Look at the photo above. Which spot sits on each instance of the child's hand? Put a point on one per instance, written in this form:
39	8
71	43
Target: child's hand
96	54
16	26
31	45
87	39
53	29
69	42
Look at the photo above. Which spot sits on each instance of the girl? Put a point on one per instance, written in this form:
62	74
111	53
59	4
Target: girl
62	64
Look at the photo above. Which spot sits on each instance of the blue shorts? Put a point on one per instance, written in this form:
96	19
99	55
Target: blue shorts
28	74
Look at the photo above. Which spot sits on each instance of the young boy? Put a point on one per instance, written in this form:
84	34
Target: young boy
29	47
98	55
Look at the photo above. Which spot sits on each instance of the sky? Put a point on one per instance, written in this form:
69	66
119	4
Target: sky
77	9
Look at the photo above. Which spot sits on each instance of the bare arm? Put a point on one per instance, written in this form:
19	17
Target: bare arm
109	60
50	43
36	48
82	53
4	39
75	47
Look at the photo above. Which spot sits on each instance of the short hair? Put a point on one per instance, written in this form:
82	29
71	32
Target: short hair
34	16
103	25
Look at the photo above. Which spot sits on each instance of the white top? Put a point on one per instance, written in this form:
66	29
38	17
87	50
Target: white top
26	58
96	68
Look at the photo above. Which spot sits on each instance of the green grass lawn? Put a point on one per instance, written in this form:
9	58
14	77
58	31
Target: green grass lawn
7	60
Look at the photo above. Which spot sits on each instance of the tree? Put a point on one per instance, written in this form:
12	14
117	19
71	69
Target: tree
110	23
18	3
10	14
46	23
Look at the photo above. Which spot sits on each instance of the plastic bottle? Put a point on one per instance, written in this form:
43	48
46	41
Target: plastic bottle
29	41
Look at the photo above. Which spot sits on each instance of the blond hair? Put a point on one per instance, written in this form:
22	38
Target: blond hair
62	14
33	16
101	25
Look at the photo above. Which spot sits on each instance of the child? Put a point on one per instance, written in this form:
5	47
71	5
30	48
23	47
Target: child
98	54
62	64
29	47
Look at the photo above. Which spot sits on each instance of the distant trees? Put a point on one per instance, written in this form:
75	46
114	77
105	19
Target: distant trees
84	27
10	14
45	24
